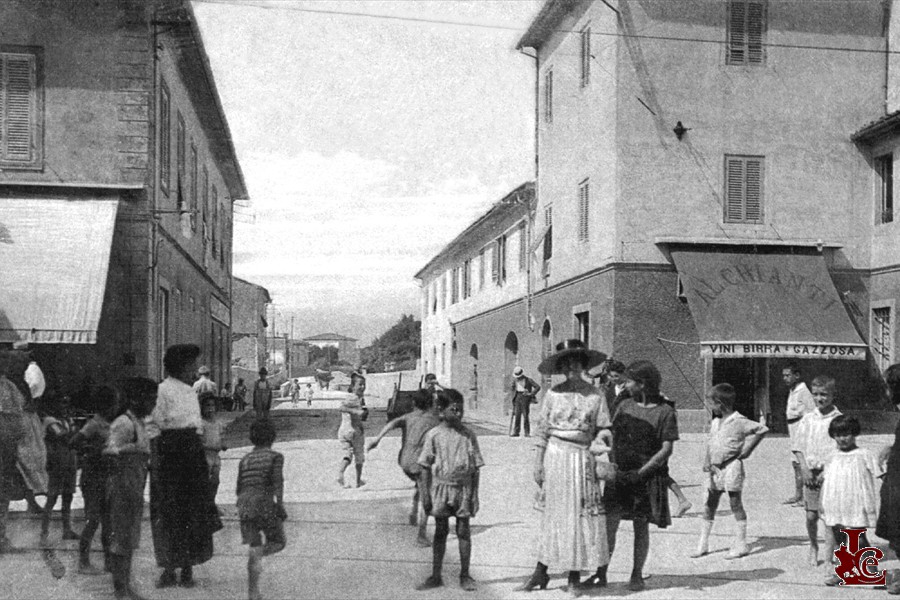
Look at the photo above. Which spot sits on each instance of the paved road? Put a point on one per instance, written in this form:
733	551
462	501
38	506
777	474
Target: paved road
356	543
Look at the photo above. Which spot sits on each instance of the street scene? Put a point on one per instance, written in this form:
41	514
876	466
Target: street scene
449	298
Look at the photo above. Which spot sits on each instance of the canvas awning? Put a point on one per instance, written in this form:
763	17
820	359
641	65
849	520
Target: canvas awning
54	257
766	305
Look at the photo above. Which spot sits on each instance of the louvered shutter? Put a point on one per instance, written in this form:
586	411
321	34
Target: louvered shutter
18	108
755	30
753	190
583	202
734	190
495	262
737	38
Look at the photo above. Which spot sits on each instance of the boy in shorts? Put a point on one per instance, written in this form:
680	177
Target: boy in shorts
351	434
813	448
732	438
260	500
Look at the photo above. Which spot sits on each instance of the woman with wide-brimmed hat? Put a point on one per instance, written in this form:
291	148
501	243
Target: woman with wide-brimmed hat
574	419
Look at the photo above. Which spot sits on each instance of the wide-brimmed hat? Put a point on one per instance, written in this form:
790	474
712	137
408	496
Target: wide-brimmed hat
568	348
264	371
518	372
204	370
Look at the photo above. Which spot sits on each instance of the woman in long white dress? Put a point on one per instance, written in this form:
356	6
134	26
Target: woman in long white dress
573	418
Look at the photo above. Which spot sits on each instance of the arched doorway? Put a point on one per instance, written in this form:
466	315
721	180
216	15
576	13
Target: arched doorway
546	350
473	376
510	360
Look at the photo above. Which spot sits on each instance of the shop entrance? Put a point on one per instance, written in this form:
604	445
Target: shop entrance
750	379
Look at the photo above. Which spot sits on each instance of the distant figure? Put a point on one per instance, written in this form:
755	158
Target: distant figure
308	392
226	397
260	501
799	402
240	395
524	393
204	383
351	433
294	391
262	394
212	441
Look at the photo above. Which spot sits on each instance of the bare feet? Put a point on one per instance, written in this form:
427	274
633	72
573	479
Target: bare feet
340	480
683	507
467	583
423	542
636	584
813	557
430	583
360	482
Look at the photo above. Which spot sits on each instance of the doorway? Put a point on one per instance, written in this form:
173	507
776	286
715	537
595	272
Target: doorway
749	376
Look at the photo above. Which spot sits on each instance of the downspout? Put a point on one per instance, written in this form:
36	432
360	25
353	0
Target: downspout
532	206
887	54
154	197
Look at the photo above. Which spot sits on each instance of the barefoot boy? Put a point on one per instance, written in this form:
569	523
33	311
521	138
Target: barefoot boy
813	448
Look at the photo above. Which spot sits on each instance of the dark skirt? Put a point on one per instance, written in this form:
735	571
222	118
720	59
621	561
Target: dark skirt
648	499
888	525
183	517
125	499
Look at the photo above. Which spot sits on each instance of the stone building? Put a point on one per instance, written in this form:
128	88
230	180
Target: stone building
117	178
248	329
346	346
718	203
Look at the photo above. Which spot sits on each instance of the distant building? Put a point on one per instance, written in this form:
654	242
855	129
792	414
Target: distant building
346	346
248	333
117	181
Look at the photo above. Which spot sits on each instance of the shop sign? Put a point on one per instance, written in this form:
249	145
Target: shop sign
784	350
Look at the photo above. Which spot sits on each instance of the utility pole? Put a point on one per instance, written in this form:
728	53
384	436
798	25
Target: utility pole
291	353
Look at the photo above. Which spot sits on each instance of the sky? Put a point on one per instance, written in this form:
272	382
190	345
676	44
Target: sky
366	143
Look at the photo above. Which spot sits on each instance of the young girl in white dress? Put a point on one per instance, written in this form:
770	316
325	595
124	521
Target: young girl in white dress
849	492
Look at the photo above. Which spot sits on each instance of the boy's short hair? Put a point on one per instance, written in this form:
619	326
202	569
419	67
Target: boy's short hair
794	366
262	432
448	396
423	400
844	425
724	393
824	381
615	365
430	377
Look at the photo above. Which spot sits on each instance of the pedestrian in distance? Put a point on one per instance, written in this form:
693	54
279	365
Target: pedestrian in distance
413	426
262	395
523	391
431	384
351	434
128	453
226	398
849	491
204	383
308	393
90	442
799	402
294	391
260	501
62	466
448	483
212	441
240	395
732	438
574	422
888	525
644	433
615	383
813	447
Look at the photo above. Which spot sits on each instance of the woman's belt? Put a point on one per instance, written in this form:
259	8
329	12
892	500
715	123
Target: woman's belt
581	443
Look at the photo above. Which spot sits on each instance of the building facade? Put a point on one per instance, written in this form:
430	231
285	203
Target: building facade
117	177
346	346
248	329
714	199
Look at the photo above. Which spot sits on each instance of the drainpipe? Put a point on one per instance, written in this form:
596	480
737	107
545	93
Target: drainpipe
154	197
887	53
532	206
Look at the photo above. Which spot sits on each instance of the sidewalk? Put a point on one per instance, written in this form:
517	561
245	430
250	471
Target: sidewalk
357	543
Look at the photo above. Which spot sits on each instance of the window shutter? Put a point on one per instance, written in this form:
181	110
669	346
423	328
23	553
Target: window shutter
734	190
737	39
165	137
583	202
755	30
495	262
18	72
753	194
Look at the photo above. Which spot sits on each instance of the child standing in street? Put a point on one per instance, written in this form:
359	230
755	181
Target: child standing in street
849	492
260	500
212	440
62	466
732	438
414	426
351	434
90	442
309	395
448	482
128	452
813	447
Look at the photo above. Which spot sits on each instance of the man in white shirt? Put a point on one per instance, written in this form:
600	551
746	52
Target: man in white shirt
799	402
205	384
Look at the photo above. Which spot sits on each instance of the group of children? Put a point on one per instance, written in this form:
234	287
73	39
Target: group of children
839	477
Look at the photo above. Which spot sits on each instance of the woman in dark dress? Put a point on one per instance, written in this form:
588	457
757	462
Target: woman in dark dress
888	525
183	517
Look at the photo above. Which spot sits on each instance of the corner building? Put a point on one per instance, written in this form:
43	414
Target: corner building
117	181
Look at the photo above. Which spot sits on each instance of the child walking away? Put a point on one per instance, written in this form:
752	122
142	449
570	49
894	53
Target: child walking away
414	426
90	442
351	433
128	452
212	441
62	466
448	485
849	493
260	500
732	438
813	448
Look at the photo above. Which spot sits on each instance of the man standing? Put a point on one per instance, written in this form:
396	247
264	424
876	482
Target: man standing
262	394
799	402
524	391
204	383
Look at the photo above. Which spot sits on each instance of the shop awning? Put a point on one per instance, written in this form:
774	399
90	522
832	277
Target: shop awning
54	257
766	305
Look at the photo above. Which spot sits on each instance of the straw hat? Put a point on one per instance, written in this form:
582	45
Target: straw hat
569	348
